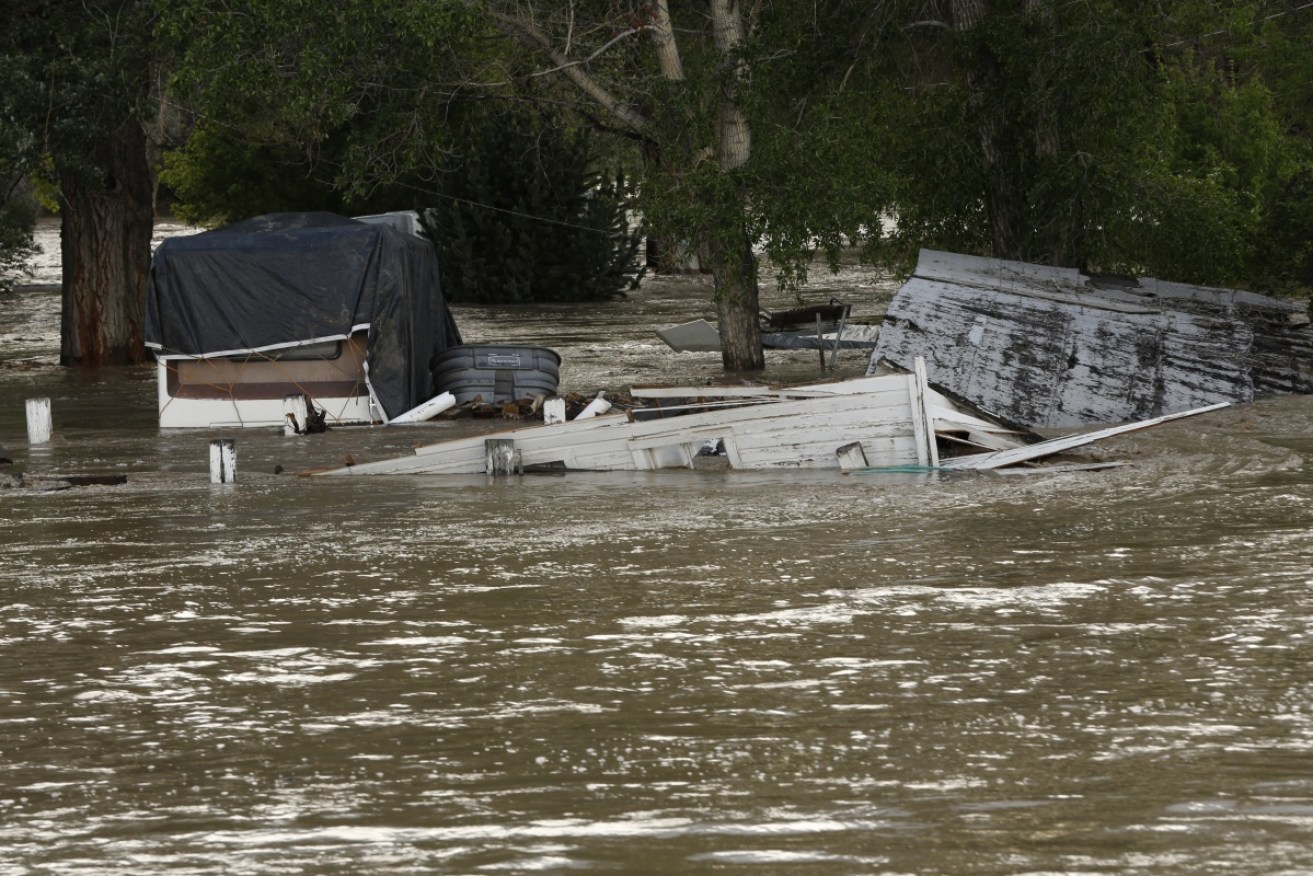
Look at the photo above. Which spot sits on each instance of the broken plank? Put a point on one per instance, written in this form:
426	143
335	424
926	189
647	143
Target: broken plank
1057	469
660	392
1000	458
466	455
923	427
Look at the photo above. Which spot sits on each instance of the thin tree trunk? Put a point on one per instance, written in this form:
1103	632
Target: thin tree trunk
105	244
663	42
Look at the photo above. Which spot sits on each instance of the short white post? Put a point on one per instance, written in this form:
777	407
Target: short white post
223	461
38	421
501	457
851	456
597	406
295	414
554	411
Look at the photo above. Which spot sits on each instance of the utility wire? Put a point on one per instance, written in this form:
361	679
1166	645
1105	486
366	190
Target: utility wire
1272	17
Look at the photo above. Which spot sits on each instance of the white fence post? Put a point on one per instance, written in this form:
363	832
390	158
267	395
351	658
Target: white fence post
296	414
223	461
554	411
38	421
500	457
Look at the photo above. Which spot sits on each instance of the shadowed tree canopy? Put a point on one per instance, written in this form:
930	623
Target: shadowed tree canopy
337	105
737	111
1157	136
525	217
1165	138
513	187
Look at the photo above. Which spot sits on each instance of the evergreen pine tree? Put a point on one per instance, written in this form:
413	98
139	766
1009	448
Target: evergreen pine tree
528	217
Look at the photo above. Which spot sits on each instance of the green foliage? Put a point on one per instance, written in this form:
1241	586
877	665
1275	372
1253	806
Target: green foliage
1223	191
75	72
352	106
71	73
810	182
818	177
1202	192
20	158
1166	139
527	218
219	176
1283	257
17	218
348	95
1008	136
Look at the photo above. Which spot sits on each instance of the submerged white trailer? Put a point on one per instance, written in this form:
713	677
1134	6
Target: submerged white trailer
888	420
250	389
344	313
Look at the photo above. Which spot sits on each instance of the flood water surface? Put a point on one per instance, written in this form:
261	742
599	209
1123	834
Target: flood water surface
672	672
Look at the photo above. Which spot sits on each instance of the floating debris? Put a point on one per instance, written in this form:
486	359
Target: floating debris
875	422
57	483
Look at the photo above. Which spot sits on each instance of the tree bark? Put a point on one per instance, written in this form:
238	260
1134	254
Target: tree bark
728	249
734	267
105	244
663	42
1005	201
733	263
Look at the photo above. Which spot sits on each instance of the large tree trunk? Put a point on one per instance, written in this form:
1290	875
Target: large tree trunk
734	267
1004	195
105	244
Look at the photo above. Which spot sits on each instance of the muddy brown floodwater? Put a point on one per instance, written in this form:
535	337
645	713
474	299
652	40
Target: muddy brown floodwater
646	673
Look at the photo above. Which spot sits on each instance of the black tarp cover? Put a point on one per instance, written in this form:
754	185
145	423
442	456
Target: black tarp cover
285	279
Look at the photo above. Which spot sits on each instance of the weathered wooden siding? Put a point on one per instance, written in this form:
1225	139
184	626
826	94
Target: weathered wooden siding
1052	347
